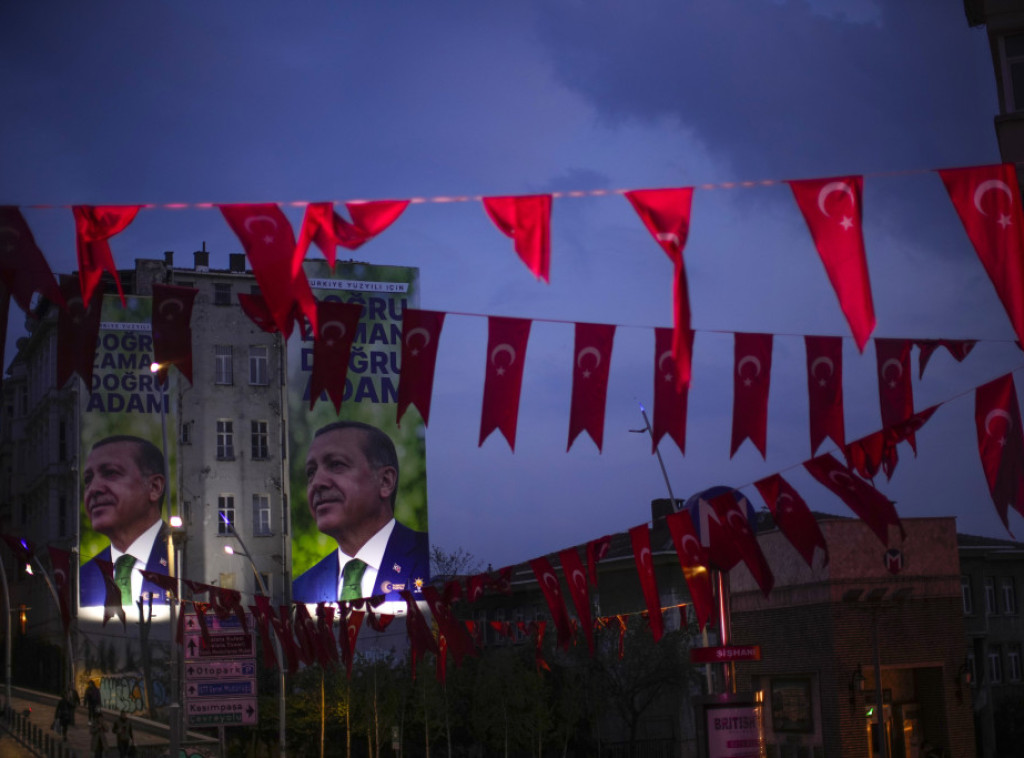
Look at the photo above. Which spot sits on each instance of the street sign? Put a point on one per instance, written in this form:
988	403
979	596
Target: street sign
223	688
219	646
725	653
227	669
216	712
216	625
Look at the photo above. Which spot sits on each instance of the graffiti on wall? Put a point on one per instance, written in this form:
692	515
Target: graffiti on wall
126	692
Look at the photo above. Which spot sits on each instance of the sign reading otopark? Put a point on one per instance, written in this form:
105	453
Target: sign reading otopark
400	554
124	482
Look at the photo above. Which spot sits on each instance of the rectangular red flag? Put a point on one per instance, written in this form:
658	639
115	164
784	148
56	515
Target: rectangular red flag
526	219
503	377
959	349
833	211
451	629
348	634
666	214
825	389
256	308
326	229
112	597
331	348
172	328
895	392
987	199
78	328
640	538
670	401
23	269
94	225
576	578
793	517
751	379
591	361
552	589
421	332
734	514
1001	444
694	562
596	551
873	508
60	560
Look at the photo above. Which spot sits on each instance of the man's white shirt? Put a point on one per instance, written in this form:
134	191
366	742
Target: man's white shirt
140	550
372	553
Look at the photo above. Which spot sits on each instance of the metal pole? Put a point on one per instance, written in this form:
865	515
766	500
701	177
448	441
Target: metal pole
7	632
883	742
657	451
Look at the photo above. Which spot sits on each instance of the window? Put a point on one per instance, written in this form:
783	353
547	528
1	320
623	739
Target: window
995	665
222	370
222	294
1013	670
968	597
258	371
266	581
225	439
1009	597
261	514
260	440
225	514
991	608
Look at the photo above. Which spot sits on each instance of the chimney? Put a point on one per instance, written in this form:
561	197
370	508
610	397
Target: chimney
236	262
202	259
169	258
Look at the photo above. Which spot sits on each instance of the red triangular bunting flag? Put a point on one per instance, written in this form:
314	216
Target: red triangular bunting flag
670	402
959	349
873	508
693	561
326	229
895	392
1001	444
825	389
733	515
112	599
793	517
172	328
23	269
421	331
552	589
527	220
255	307
751	380
576	578
640	538
331	349
596	550
78	328
60	560
506	354
592	359
94	225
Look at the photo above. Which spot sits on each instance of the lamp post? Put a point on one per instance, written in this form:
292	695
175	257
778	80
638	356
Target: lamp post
244	552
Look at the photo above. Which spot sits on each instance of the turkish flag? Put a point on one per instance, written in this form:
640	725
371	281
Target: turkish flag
833	211
1001	444
78	328
666	214
348	634
825	389
326	229
793	517
451	629
751	378
112	599
552	589
325	630
331	349
420	637
576	578
172	328
987	199
959	349
593	356
694	563
475	586
527	220
269	242
865	456
640	537
23	269
421	332
94	225
169	584
895	392
260	613
596	551
732	515
256	308
283	630
60	560
873	508
670	401
503	378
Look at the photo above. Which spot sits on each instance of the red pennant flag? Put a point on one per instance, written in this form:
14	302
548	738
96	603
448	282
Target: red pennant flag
421	331
451	629
269	243
78	328
325	631
593	356
326	229
527	220
959	349
793	517
94	225
621	623
751	378
502	582
536	630
693	561
640	538
666	214
347	637
23	269
379	621
833	209
256	308
895	393
576	578
825	389
1001	444
262	612
331	349
873	508
506	354
552	589
865	455
670	401
420	638
60	560
475	587
172	328
596	551
112	599
733	515
169	584
987	199
452	591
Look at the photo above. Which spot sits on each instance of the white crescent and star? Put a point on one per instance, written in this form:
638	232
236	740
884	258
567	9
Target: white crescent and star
823	361
693	555
994	414
552	581
332	325
986	186
743	362
667	355
504	347
645	559
668	237
175	303
417	331
842	479
828	189
267	238
579	580
588	351
885	368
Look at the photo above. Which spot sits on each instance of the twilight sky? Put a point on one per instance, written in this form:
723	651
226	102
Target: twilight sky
192	102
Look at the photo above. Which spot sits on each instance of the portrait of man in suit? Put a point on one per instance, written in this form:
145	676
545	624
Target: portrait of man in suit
351	488
125	482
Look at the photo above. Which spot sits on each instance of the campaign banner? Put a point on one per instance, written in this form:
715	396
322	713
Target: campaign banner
129	452
347	508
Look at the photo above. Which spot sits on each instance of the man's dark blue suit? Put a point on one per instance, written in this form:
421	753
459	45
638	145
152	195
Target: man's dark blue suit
93	590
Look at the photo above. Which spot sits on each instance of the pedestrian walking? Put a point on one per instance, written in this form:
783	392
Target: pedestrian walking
92	700
97	736
62	717
123	732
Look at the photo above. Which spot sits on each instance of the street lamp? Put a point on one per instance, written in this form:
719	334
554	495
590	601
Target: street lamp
244	552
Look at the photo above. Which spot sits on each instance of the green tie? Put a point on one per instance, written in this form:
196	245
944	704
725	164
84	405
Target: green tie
352	580
123	577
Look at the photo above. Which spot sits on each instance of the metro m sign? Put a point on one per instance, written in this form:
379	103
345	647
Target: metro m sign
725	653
